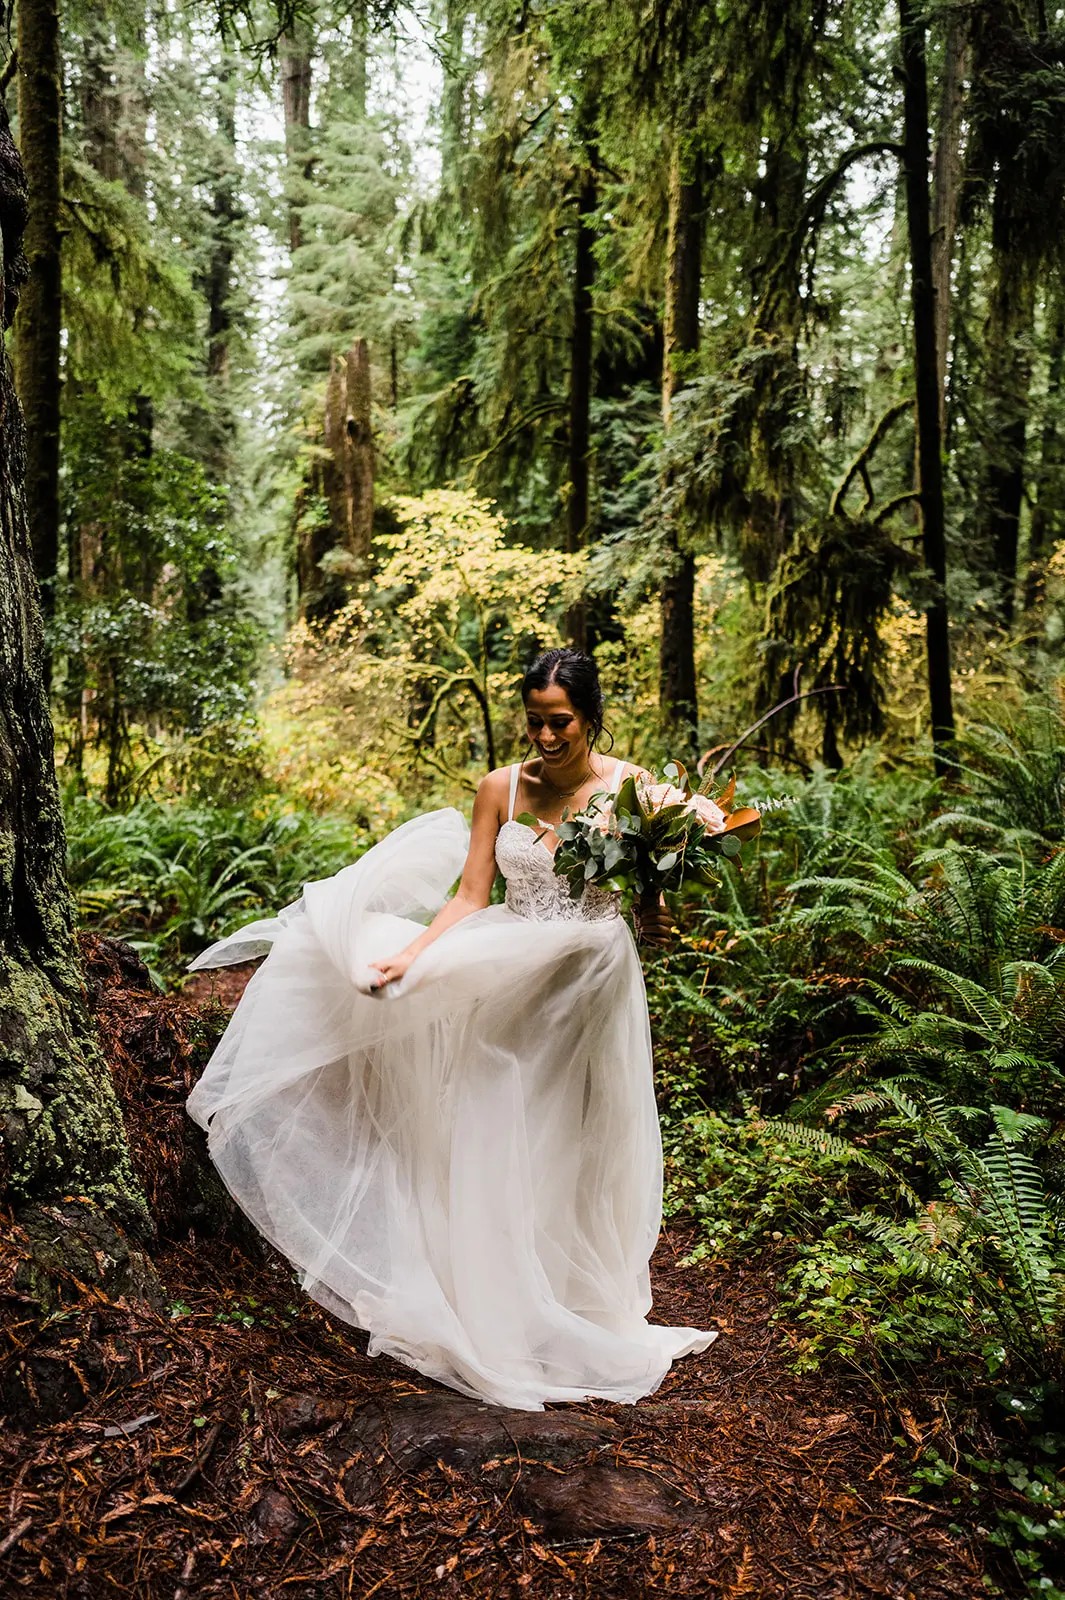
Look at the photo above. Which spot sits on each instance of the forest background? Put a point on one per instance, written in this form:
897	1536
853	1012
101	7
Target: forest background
364	352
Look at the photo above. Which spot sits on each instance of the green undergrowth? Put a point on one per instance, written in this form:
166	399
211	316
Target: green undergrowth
169	877
861	1071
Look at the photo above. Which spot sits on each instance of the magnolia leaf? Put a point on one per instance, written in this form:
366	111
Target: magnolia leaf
628	799
744	824
725	798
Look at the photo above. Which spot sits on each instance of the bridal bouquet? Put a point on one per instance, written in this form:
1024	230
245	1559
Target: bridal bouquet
654	836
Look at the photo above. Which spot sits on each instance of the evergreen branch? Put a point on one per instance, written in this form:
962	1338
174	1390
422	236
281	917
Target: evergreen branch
812	213
861	461
10	68
896	503
535	414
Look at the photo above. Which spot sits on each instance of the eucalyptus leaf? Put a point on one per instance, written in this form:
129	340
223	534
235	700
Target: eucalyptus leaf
613	855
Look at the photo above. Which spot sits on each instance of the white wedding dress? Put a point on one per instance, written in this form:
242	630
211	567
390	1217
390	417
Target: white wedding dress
467	1164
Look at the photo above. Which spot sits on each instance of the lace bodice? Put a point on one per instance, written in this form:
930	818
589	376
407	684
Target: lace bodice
534	890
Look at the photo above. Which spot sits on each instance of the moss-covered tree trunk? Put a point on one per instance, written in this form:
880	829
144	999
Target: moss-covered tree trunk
453	100
946	185
62	1129
334	549
580	381
678	698
926	372
39	329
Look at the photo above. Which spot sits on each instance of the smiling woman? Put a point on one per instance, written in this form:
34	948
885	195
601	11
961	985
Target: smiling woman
458	1143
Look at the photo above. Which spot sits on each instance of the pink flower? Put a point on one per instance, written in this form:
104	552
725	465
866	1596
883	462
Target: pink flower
656	796
710	815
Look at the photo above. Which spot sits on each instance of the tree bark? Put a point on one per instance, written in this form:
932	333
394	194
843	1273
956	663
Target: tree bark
926	367
344	478
946	180
453	100
1045	524
358	451
39	327
295	62
678	699
63	1131
217	288
1010	324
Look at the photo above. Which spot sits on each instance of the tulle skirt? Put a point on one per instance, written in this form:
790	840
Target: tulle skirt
468	1164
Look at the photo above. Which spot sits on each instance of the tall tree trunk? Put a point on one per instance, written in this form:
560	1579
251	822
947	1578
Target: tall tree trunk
359	451
217	288
677	684
1008	338
357	66
295	63
946	180
344	478
39	327
580	383
926	367
63	1132
1045	524
453	99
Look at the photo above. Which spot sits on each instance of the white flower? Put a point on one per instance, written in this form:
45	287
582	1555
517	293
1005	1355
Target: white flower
710	815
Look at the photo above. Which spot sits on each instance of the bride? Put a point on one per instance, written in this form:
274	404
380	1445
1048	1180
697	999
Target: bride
441	1110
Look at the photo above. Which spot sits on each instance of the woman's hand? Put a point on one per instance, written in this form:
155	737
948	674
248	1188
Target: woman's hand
654	925
392	968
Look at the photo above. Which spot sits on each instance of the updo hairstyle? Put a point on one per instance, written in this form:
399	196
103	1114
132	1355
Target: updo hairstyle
578	674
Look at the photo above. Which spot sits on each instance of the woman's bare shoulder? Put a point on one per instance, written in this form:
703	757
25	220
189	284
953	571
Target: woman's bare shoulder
493	791
497	782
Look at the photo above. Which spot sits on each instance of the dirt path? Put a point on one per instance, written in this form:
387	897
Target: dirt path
279	1461
241	1448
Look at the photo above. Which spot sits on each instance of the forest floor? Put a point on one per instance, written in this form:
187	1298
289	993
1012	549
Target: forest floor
238	1441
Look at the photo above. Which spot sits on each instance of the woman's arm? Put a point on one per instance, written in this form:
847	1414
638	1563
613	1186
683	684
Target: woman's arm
475	886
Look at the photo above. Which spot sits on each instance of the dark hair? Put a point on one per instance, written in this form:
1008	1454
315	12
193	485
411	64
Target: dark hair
578	674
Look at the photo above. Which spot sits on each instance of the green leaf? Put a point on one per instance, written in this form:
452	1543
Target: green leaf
628	799
613	855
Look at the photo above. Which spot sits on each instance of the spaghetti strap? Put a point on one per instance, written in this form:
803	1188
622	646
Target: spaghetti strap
514	771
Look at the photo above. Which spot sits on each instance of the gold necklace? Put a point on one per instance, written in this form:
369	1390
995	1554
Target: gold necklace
567	794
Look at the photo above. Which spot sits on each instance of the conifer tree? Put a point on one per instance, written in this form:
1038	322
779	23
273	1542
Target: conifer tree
39	327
